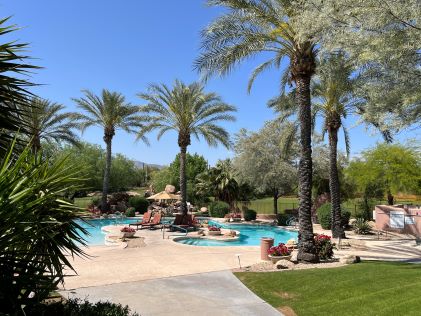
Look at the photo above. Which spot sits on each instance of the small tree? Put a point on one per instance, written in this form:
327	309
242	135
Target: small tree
265	159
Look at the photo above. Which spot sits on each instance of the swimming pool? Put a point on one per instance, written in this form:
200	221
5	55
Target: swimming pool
93	226
250	235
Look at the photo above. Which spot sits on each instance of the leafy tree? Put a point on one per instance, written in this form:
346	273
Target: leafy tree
382	39
262	161
394	167
14	85
91	160
160	178
251	27
45	123
109	111
188	110
195	165
38	231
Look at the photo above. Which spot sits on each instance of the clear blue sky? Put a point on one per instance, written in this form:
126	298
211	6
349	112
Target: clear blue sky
125	45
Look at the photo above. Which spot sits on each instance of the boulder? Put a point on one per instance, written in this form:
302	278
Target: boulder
284	264
349	259
204	209
170	189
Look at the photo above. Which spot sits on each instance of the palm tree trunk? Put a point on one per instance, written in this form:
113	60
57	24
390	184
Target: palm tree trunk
106	182
390	197
334	185
275	201
306	248
183	180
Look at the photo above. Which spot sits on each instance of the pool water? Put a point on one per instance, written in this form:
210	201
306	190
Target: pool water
93	226
250	235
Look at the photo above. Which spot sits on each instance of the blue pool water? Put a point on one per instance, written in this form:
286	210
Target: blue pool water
250	235
93	226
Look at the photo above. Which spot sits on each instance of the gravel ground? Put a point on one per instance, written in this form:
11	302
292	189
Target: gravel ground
267	266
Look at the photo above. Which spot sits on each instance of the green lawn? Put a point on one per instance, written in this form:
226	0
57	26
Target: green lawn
368	288
265	205
83	202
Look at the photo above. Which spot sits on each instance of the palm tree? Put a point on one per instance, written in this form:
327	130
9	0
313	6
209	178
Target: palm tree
109	111
188	110
252	27
220	183
13	87
45	122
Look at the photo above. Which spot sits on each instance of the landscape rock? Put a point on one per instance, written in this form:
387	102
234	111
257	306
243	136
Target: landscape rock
170	189
284	264
204	209
349	259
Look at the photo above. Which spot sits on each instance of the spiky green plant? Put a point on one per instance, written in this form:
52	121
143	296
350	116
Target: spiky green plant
38	231
14	85
188	110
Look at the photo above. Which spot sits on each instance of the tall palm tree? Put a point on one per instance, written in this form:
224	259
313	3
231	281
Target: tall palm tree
13	85
45	122
251	27
188	110
109	111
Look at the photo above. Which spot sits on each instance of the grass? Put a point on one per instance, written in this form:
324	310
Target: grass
265	205
83	202
367	288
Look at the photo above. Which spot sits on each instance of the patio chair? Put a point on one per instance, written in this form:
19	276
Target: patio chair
156	220
182	222
146	219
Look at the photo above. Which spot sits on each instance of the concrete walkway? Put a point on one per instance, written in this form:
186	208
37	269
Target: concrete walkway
214	293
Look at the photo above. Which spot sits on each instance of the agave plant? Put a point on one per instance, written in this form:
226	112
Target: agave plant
13	85
38	231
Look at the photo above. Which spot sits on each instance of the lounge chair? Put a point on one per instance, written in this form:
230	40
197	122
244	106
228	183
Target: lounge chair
146	219
156	220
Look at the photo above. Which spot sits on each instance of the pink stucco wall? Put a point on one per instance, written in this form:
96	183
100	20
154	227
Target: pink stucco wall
411	213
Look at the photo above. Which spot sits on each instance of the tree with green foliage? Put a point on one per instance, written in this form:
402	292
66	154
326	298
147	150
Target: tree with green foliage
260	27
394	167
220	182
14	72
188	110
266	159
382	40
195	165
45	121
38	231
109	111
91	160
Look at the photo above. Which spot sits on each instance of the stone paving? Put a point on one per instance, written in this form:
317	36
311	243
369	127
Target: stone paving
213	293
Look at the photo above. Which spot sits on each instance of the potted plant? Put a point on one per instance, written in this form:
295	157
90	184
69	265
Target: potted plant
214	231
128	232
279	252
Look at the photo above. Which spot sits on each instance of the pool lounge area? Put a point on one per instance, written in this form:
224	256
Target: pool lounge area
249	234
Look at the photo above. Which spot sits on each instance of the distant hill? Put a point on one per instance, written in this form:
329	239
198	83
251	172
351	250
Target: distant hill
141	164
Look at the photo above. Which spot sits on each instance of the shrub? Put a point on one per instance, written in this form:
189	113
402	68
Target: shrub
324	216
361	226
130	212
96	201
324	246
76	307
250	215
218	209
139	203
282	219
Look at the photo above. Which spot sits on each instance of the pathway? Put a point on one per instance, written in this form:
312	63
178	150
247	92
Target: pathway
214	293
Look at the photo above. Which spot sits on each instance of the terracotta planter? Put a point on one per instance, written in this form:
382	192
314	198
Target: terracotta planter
275	259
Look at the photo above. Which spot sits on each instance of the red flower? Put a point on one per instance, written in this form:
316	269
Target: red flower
280	250
126	229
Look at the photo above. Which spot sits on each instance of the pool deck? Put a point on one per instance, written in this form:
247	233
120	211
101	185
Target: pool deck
160	258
